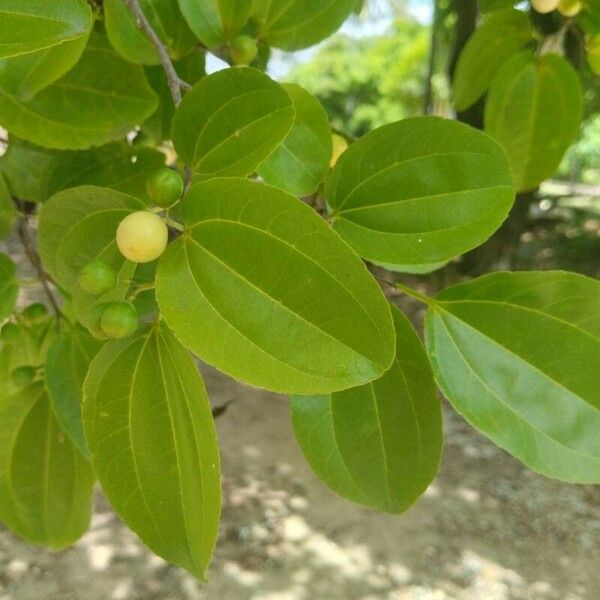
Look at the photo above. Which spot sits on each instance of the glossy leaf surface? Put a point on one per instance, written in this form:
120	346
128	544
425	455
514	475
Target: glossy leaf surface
151	435
379	444
9	286
517	355
419	191
301	162
231	121
260	287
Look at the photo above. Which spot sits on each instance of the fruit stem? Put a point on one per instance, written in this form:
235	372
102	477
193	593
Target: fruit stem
175	225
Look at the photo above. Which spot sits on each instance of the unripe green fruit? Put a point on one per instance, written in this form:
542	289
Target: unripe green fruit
142	236
165	187
35	312
97	277
22	376
594	61
119	320
9	333
340	145
243	50
544	6
570	8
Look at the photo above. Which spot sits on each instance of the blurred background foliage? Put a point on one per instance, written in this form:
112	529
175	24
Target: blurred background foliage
395	60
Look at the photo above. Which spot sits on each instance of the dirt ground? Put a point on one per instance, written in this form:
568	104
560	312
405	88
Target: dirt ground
487	529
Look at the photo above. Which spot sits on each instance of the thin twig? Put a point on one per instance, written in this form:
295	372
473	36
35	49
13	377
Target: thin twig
175	83
36	263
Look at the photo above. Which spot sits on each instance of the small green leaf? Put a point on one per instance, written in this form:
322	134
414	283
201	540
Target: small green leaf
30	25
67	364
166	20
260	287
534	110
231	121
216	21
151	435
9	286
45	483
301	162
379	444
440	192
8	214
295	24
517	355
79	225
101	99
501	36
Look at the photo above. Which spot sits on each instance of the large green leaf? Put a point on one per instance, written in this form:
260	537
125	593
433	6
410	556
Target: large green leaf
301	162
517	354
500	37
151	435
31	25
67	364
216	21
8	213
101	99
9	286
296	24
232	121
45	483
35	173
419	191
534	110
24	76
378	444
260	287
166	20
79	225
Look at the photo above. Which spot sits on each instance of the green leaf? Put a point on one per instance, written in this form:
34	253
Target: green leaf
296	24
301	162
9	286
378	444
79	225
151	434
30	25
501	36
231	121
488	6
166	20
24	76
517	355
216	21
101	99
440	192
534	110
8	214
260	287
34	173
45	483
67	364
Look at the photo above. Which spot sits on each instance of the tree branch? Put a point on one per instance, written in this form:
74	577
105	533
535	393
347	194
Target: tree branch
175	83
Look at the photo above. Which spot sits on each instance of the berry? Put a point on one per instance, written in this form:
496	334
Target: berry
142	236
339	147
165	187
22	376
243	50
119	320
97	277
9	333
35	312
570	8
544	6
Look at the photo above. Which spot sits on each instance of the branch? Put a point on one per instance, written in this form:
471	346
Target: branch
36	263
175	83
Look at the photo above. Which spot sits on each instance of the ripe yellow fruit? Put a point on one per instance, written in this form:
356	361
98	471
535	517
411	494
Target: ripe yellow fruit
142	236
339	147
570	8
544	6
